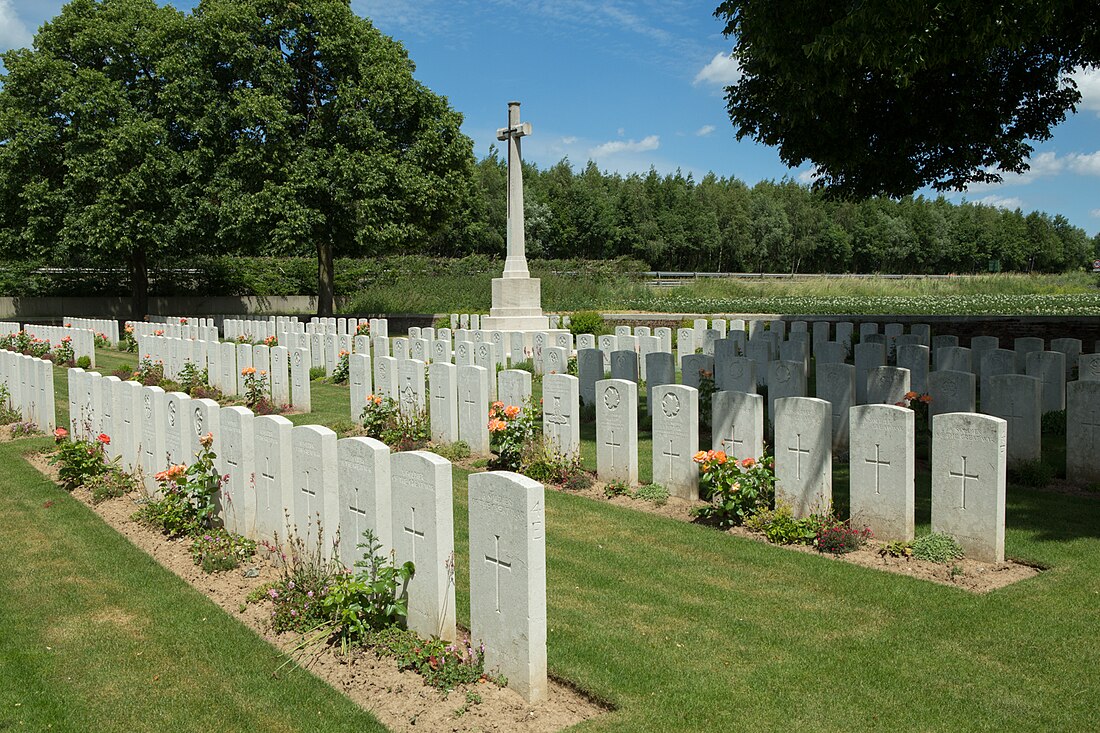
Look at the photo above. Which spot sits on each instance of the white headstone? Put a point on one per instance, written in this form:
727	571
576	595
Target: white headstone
968	482
315	513
1083	432
1015	398
617	430
473	408
423	533
508	578
443	410
364	496
561	423
738	424
803	454
274	474
882	471
238	456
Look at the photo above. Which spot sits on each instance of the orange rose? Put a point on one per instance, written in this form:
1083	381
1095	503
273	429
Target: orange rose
748	462
511	411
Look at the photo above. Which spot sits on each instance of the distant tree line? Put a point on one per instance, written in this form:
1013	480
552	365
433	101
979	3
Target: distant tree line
674	222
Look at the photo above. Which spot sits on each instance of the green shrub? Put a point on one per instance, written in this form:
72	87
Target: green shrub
187	503
588	322
84	362
734	489
317	372
781	528
111	484
937	547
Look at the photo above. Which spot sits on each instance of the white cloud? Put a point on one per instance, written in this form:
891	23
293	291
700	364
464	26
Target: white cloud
1095	212
722	70
651	142
1088	83
1001	202
807	176
1087	164
705	130
569	139
13	32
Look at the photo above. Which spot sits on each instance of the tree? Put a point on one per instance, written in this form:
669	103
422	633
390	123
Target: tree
327	138
886	97
93	159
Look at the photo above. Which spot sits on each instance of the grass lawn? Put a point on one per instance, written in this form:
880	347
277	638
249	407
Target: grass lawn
681	627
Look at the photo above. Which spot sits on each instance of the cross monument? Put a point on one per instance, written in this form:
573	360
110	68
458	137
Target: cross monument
517	297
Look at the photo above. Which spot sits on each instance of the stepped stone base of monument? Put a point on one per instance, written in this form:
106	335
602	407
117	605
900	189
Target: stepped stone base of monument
517	306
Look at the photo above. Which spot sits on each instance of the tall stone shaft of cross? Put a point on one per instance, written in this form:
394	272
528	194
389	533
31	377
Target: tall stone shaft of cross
515	266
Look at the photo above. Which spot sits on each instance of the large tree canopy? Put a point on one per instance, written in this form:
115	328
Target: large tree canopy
250	126
886	97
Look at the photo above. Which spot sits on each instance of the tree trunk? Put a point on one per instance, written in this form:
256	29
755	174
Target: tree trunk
139	283
325	280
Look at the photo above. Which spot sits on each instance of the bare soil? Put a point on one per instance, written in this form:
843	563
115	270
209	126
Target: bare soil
399	699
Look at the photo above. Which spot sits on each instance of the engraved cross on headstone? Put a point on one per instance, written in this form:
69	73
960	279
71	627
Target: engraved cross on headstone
732	444
671	455
1093	428
878	463
411	530
612	445
964	476
498	563
798	450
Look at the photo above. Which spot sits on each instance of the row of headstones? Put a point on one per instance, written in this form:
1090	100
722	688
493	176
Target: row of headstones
1018	399
106	326
189	330
282	477
456	398
287	370
968	458
278	326
473	320
82	339
204	321
30	388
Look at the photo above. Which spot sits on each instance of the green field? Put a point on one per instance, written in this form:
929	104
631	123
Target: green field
680	627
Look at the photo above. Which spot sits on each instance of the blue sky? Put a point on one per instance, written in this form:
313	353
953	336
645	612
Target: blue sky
633	85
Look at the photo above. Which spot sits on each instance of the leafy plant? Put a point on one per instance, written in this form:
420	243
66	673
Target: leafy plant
255	386
734	489
191	378
898	548
114	482
547	465
84	362
317	372
706	395
654	493
442	664
616	488
511	434
79	461
588	322
187	503
1054	422
7	415
63	355
340	372
937	547
126	340
383	420
454	452
370	599
840	538
780	527
149	372
218	550
306	575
